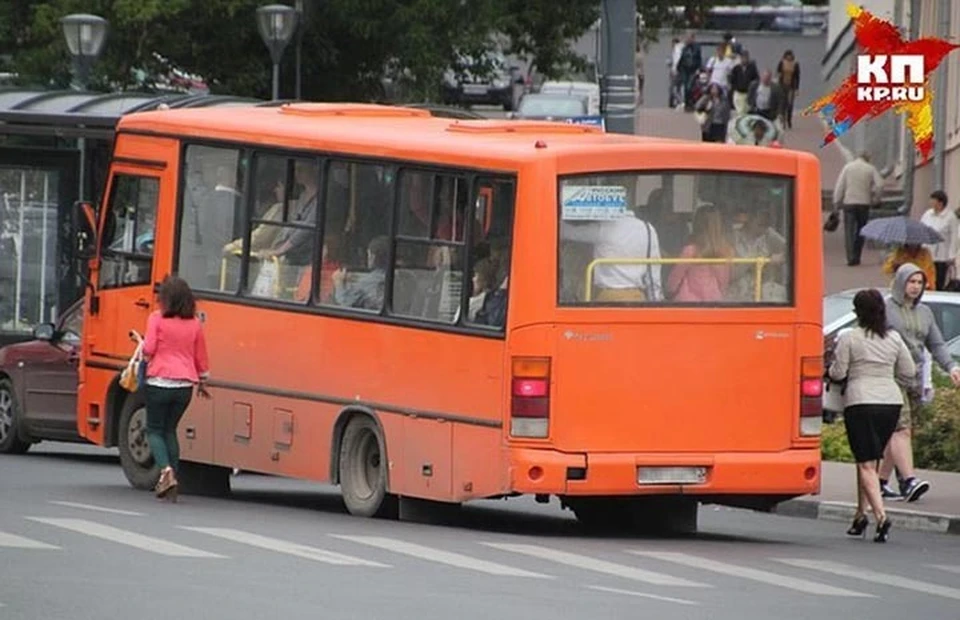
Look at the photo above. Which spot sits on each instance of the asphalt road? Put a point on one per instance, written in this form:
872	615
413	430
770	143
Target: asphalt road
77	542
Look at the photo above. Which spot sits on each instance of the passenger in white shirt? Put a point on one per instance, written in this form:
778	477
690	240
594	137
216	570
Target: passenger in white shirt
720	66
944	221
623	237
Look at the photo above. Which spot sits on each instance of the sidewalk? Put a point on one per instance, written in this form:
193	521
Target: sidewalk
937	511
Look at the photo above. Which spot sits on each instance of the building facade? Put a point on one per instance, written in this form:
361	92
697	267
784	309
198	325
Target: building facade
886	138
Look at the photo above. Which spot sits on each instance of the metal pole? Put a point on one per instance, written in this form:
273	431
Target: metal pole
20	251
300	25
940	115
911	155
619	28
893	144
276	81
43	246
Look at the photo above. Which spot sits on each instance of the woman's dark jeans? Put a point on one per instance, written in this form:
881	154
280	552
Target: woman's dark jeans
165	407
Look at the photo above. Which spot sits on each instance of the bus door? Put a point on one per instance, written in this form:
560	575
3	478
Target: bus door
125	274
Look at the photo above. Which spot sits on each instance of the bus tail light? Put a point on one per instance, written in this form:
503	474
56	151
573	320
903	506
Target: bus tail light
811	396
530	397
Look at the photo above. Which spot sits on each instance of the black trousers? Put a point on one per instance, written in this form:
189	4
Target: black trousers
942	267
854	219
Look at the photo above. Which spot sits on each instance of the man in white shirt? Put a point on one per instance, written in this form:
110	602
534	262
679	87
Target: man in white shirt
623	237
945	222
858	187
720	65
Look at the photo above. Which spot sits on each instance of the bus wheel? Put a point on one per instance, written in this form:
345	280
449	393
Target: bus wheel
135	457
363	470
10	442
203	479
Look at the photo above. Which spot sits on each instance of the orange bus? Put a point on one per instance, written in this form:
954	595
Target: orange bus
431	310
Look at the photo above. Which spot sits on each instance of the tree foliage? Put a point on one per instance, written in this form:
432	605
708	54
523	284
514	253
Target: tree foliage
347	47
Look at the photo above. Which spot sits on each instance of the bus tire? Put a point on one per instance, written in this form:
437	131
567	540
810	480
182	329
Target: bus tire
11	441
136	460
363	470
203	479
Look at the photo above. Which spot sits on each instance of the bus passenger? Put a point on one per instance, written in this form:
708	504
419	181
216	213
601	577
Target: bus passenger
755	238
484	279
177	360
367	291
621	238
263	236
493	309
704	282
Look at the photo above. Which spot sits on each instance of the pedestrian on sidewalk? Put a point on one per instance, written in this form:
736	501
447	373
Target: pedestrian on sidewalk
788	75
945	222
873	360
858	188
177	360
765	97
741	77
916	254
914	322
713	113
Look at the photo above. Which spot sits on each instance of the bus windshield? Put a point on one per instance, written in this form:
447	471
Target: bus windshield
676	238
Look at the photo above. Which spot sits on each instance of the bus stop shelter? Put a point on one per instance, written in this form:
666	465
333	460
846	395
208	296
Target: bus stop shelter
55	148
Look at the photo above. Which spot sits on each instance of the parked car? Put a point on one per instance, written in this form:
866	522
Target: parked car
487	80
590	90
539	106
838	314
38	384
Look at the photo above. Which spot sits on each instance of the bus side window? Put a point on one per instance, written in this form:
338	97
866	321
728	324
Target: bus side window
127	245
210	213
493	209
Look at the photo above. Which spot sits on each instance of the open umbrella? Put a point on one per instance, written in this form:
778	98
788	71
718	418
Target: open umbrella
900	230
741	131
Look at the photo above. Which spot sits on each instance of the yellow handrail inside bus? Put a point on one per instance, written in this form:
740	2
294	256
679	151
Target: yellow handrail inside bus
759	262
238	254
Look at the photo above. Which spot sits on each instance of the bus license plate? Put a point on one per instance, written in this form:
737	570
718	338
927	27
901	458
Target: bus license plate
671	475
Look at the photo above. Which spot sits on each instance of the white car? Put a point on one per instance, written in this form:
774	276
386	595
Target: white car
838	314
588	90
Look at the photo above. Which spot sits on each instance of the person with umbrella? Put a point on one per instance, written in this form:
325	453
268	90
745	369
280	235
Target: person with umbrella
908	237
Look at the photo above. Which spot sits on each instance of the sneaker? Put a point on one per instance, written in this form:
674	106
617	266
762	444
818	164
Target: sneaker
888	493
913	489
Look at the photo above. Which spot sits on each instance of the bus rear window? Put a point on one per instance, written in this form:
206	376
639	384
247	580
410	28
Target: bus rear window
676	238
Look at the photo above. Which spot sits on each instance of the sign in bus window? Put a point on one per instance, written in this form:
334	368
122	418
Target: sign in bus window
690	237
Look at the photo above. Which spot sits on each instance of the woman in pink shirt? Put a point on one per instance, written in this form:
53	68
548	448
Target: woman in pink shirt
176	361
703	282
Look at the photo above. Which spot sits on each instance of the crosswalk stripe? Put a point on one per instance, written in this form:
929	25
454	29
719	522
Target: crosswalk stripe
19	542
857	572
283	546
123	537
443	557
595	565
656	597
946	567
115	511
762	576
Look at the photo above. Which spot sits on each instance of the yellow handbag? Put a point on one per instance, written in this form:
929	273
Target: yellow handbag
130	376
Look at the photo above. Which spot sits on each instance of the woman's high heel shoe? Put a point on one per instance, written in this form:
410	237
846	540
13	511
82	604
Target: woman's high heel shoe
859	526
883	531
166	484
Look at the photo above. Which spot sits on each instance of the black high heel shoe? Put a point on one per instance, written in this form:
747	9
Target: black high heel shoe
859	526
883	531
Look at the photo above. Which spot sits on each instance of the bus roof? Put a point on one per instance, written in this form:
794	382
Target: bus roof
399	132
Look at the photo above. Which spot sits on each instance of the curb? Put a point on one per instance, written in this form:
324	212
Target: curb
912	520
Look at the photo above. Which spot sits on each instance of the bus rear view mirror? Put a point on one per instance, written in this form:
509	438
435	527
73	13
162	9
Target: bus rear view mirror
86	228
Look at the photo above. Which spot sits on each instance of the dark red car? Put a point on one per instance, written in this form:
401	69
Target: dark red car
38	385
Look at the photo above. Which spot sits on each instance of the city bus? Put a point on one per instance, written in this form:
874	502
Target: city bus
428	311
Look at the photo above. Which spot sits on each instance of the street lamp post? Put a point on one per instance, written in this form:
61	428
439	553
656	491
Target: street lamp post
276	23
85	35
301	24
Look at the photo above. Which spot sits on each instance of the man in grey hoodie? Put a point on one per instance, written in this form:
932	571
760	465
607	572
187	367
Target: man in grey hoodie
915	323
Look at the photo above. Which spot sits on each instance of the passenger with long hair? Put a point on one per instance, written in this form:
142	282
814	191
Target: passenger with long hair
177	360
875	362
705	282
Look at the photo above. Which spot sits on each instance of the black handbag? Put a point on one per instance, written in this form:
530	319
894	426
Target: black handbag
833	222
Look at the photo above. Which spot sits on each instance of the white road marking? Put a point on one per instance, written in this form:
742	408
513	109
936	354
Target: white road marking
656	597
857	572
442	557
946	567
599	566
283	546
743	572
19	542
123	537
115	511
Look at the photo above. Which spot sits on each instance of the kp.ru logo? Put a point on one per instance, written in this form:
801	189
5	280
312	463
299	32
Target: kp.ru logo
893	77
892	74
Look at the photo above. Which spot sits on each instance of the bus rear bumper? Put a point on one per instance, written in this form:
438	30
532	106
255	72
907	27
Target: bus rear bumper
788	473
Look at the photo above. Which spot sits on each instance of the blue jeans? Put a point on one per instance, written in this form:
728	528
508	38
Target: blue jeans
165	407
